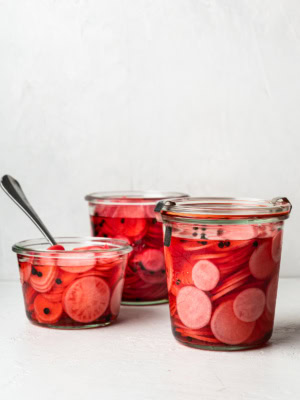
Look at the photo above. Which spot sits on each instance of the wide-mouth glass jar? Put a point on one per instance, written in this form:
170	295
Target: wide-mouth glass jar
222	261
75	284
130	216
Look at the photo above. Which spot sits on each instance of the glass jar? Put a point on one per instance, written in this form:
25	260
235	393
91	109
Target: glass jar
130	216
222	261
75	284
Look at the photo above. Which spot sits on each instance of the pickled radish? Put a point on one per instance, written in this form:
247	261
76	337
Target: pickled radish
133	228
29	296
205	275
116	297
86	299
249	305
47	312
272	294
43	277
194	307
151	259
227	328
261	263
25	266
76	263
276	247
62	280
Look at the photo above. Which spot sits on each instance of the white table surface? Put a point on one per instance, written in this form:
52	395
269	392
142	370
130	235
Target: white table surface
138	358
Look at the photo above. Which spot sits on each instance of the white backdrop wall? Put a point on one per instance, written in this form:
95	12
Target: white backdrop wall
200	96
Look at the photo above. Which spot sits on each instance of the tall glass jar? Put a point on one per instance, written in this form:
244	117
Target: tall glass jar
130	216
222	261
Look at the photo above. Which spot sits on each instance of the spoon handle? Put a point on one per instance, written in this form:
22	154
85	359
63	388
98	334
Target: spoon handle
13	189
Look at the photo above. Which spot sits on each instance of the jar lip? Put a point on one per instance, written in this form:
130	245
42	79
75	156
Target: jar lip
131	197
36	246
225	208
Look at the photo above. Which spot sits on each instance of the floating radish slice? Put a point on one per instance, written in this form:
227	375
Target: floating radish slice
43	277
227	328
61	282
131	227
25	269
49	259
29	296
56	247
116	297
129	211
151	259
276	247
232	232
47	312
76	263
86	299
261	263
272	294
249	305
193	307
266	230
205	275
169	268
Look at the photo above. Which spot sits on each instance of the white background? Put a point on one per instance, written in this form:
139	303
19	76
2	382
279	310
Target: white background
200	96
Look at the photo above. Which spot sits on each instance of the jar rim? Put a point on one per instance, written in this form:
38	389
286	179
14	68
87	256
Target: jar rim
35	246
131	197
230	208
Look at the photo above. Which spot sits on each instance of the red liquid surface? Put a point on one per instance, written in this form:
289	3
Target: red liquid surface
145	279
222	293
72	293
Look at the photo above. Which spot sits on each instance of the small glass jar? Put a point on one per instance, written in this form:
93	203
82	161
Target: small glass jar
75	284
222	261
130	216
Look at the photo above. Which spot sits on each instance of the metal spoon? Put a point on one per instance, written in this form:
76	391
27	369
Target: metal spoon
13	189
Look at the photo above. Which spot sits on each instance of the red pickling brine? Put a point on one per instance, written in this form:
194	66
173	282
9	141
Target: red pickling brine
77	285
222	266
130	216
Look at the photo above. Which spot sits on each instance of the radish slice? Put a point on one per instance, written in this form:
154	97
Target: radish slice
115	301
227	328
249	305
193	307
46	311
77	263
205	275
151	259
276	247
86	299
56	247
261	263
272	294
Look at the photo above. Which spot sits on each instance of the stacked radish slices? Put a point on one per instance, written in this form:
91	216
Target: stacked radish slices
222	292
145	275
72	289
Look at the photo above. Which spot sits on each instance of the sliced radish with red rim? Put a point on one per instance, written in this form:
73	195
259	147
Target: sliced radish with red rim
205	275
86	299
249	305
227	328
193	307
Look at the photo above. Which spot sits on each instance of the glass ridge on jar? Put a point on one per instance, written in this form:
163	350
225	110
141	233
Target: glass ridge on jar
130	216
75	284
222	262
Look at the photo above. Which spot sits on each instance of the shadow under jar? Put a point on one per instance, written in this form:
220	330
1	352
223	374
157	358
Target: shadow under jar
130	216
222	261
76	284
